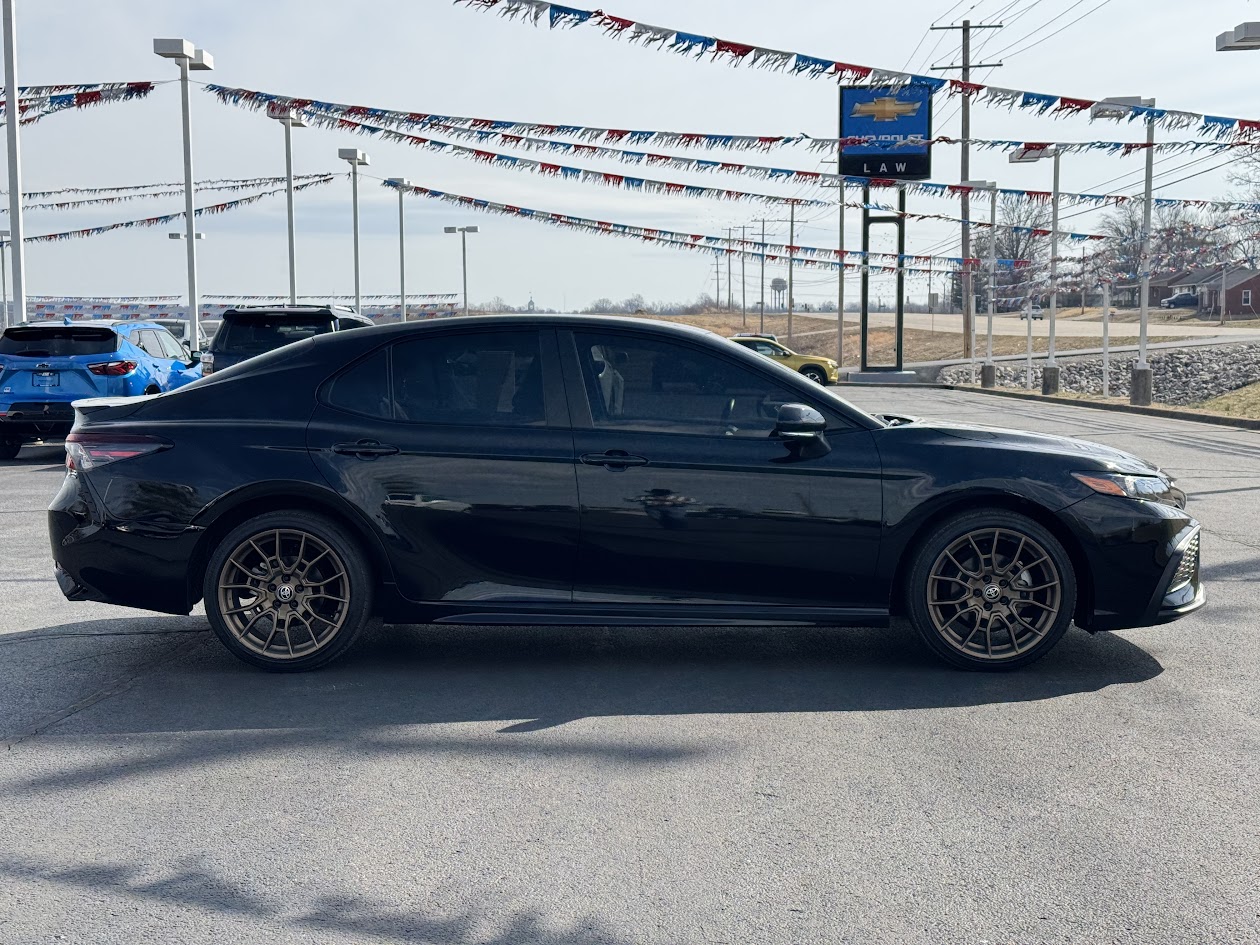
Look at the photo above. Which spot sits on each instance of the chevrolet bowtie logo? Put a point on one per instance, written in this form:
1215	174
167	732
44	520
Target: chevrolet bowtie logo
885	109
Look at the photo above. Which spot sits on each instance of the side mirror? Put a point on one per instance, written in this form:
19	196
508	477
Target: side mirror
799	422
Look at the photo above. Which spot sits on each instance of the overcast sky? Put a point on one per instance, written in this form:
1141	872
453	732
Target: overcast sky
431	56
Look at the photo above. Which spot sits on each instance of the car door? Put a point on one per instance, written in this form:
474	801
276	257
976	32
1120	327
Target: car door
158	364
690	502
180	371
457	446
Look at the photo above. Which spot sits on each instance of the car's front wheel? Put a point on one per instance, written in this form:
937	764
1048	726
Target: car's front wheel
9	447
815	374
288	591
991	590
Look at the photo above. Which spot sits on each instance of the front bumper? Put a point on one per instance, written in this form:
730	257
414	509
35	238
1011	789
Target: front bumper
1142	560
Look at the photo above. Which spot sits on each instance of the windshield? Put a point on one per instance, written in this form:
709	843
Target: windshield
47	341
255	334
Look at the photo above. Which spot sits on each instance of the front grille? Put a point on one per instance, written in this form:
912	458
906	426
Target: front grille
1188	569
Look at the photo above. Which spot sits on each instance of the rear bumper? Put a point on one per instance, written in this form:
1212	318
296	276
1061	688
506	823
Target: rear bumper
115	562
36	420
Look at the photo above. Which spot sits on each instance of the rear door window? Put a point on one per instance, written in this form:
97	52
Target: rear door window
170	347
487	378
255	334
53	341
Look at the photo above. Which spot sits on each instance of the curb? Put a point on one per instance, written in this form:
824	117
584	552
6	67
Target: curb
1245	423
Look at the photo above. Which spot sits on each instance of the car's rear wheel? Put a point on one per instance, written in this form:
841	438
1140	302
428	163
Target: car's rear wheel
815	374
288	591
9	447
991	590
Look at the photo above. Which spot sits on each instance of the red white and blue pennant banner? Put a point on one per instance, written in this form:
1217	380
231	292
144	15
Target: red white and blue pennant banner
346	117
166	218
753	249
698	45
39	101
135	193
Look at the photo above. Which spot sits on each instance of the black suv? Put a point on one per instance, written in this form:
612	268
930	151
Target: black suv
251	330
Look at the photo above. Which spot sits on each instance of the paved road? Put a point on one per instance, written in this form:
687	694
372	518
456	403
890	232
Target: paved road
495	785
1064	327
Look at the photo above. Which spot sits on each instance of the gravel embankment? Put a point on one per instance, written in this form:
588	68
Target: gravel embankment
1181	376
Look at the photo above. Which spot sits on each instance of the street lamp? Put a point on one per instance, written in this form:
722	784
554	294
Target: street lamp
196	60
290	119
463	232
1049	374
1140	388
402	184
356	160
988	373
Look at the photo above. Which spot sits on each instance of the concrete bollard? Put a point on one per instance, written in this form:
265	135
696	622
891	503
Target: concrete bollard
1050	379
988	375
1141	390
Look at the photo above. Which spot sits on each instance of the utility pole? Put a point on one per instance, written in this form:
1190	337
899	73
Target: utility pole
730	288
965	172
717	275
743	273
761	327
791	249
840	242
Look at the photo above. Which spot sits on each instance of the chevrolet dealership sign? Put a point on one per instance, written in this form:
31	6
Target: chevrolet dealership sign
891	117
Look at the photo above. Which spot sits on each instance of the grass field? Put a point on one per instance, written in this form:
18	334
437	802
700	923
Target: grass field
1244	402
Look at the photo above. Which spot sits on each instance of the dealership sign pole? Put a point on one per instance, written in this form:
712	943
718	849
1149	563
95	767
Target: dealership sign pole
886	116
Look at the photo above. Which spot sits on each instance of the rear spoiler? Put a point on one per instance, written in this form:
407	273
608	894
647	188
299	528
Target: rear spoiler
118	407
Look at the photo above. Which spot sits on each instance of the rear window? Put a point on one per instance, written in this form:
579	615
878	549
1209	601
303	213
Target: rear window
38	341
256	334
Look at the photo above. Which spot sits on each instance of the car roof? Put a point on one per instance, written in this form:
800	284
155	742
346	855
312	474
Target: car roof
338	311
115	323
528	321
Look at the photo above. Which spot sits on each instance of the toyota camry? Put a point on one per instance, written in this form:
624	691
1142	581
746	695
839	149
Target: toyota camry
597	471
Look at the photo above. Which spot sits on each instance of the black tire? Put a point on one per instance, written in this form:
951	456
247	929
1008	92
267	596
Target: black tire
254	580
1000	617
815	374
9	448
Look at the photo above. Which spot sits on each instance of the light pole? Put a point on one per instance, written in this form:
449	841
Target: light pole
1140	387
4	279
402	184
192	59
988	372
463	232
1050	374
290	119
356	159
12	111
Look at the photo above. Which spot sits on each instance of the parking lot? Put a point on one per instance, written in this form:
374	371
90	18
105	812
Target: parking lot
521	785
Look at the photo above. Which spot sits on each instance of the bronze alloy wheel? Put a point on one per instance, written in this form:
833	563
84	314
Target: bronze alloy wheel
283	593
994	594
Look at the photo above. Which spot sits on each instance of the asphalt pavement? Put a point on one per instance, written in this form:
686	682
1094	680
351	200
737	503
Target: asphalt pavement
577	786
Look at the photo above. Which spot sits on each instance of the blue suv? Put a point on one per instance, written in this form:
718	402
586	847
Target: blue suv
45	366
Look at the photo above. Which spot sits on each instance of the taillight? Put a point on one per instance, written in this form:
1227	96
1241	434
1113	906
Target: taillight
88	451
113	368
207	363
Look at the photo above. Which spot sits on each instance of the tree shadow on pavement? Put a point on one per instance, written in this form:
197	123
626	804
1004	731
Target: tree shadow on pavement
527	679
328	914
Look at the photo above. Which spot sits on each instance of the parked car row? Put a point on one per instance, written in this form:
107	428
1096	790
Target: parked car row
45	366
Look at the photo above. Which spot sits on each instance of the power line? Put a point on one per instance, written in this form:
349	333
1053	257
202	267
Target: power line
1060	29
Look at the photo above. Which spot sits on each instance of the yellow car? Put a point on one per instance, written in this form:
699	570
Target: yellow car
821	370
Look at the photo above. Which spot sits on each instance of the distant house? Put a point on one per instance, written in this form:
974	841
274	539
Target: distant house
1162	285
1242	291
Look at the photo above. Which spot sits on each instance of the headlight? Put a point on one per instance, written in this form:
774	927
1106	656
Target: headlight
1150	488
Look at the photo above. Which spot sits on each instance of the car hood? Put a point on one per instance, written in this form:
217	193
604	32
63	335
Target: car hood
1106	456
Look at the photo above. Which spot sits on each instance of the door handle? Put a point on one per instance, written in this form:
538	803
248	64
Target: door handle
365	449
613	459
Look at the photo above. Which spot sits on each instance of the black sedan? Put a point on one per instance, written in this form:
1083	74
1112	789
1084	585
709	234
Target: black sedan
568	470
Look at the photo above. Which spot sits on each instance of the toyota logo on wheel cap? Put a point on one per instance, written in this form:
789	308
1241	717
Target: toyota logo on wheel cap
284	592
992	592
